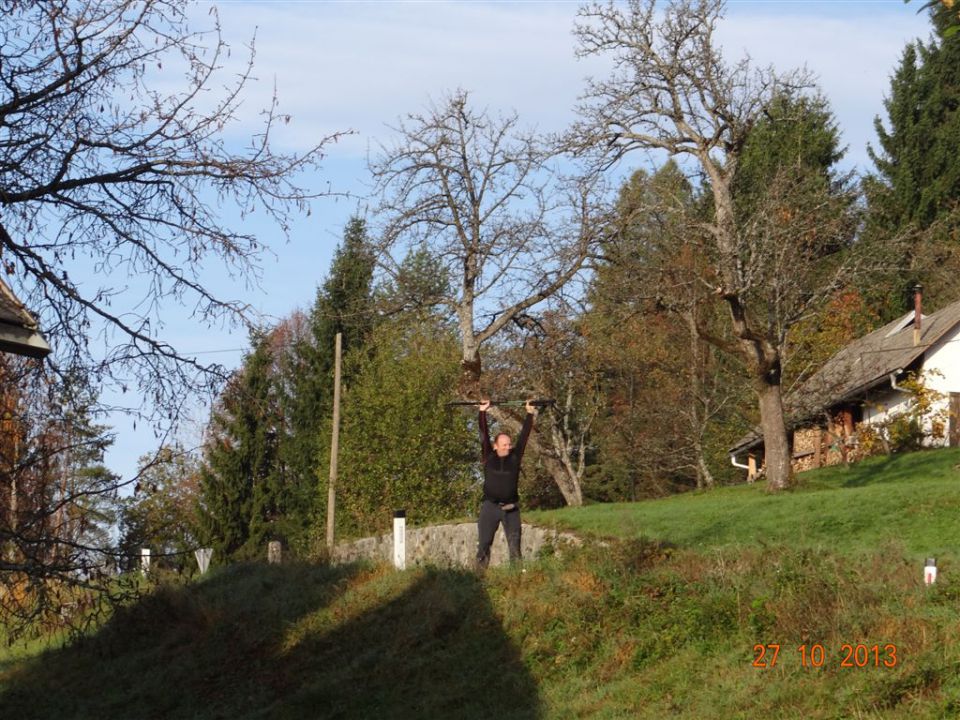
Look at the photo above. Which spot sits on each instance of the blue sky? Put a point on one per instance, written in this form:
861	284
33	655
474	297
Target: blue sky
360	65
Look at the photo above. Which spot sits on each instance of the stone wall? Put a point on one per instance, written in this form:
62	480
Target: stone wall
450	545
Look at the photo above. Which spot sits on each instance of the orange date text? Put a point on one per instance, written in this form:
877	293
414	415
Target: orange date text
816	655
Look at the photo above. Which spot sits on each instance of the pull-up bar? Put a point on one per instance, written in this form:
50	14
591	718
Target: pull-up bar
503	403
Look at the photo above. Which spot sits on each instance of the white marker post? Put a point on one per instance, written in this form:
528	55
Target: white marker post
400	539
145	560
930	571
203	558
274	552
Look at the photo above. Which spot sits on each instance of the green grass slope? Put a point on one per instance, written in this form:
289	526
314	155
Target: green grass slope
623	628
912	498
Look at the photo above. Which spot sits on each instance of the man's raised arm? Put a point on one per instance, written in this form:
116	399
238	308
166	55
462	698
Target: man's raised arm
527	427
486	448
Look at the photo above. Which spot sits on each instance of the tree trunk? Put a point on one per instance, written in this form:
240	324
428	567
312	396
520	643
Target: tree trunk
776	444
565	475
697	421
704	476
561	471
470	367
760	352
763	358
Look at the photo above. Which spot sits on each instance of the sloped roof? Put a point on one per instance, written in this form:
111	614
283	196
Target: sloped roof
19	333
12	311
862	365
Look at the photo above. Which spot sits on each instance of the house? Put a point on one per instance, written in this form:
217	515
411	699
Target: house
861	387
19	333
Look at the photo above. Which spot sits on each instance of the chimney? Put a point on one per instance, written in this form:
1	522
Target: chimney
917	312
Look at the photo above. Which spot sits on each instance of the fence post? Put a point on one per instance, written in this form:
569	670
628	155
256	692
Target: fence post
400	539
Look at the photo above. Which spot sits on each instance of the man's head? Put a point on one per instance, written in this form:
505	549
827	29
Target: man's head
502	445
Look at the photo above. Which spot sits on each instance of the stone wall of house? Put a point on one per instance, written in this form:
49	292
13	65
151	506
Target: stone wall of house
451	545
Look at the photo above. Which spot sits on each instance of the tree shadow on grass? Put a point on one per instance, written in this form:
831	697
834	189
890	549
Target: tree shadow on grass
437	650
296	641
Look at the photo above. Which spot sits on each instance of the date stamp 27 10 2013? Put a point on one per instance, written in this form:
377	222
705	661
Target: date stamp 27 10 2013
815	655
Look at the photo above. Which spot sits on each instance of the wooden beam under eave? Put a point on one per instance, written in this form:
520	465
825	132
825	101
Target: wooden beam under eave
19	340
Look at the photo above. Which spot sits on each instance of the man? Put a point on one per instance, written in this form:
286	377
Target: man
501	472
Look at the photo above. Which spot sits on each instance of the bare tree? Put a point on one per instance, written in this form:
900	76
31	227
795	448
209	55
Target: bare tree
57	500
114	182
547	357
672	91
486	202
117	169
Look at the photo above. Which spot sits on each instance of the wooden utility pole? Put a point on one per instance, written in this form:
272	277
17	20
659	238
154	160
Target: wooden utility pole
334	446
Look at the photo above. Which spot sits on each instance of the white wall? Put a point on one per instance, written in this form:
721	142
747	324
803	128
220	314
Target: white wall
944	357
941	373
882	404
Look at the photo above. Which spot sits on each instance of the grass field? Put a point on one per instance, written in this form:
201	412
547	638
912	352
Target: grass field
662	621
911	498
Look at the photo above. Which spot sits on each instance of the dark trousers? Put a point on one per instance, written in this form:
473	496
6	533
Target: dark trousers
492	515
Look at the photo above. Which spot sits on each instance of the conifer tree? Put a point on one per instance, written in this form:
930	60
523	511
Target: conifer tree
241	487
912	197
917	161
800	134
665	386
259	480
796	132
343	304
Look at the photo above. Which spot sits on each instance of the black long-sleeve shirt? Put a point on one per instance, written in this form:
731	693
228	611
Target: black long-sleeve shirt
502	474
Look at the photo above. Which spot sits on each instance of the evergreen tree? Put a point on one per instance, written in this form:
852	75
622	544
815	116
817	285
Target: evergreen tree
259	479
894	202
242	498
343	304
912	197
799	135
796	133
917	161
84	490
663	385
418	284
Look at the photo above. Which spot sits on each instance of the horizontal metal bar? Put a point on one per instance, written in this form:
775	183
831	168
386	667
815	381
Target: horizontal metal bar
502	403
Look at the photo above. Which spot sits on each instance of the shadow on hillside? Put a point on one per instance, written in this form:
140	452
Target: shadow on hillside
274	642
437	650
